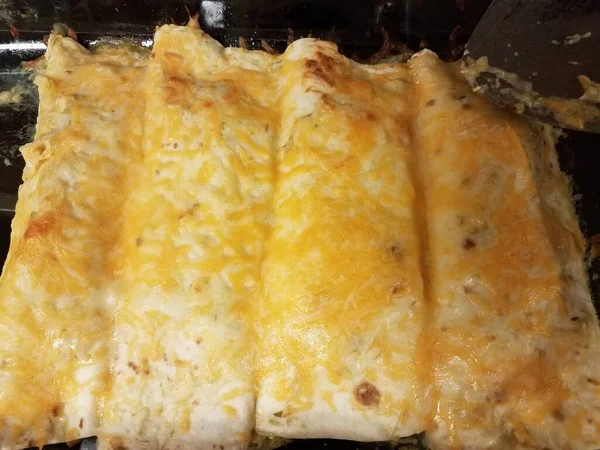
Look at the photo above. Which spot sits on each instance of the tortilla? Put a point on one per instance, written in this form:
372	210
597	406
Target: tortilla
196	223
55	317
515	351
341	305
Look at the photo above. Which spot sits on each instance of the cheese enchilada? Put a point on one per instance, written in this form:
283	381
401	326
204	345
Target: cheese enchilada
192	243
58	286
340	319
212	242
515	349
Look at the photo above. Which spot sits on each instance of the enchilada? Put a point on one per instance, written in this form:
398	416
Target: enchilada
341	305
515	348
193	238
58	285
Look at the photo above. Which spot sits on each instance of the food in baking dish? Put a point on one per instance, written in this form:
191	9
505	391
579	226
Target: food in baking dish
58	290
341	304
193	238
515	350
213	244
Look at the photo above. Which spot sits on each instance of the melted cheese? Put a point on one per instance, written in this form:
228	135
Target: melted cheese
196	224
220	239
514	331
341	290
55	317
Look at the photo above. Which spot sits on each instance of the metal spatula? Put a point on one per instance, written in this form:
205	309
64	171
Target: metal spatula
548	43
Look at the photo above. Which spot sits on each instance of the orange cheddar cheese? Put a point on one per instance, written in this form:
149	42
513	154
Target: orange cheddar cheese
341	302
213	245
58	287
192	242
515	338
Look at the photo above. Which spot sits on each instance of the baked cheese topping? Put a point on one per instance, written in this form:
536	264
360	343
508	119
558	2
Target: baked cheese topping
211	241
57	288
341	290
515	353
194	236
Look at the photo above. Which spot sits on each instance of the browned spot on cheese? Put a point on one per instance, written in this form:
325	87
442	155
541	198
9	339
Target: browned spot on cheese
38	227
320	73
367	394
469	243
593	381
500	395
58	409
278	414
190	211
199	284
117	444
315	70
133	366
371	117
398	287
311	64
430	102
145	367
397	251
81	423
327	62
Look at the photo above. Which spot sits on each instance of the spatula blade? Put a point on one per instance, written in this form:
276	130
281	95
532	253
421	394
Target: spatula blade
548	43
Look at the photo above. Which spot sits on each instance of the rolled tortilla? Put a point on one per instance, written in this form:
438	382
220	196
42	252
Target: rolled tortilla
516	344
197	220
341	297
55	290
